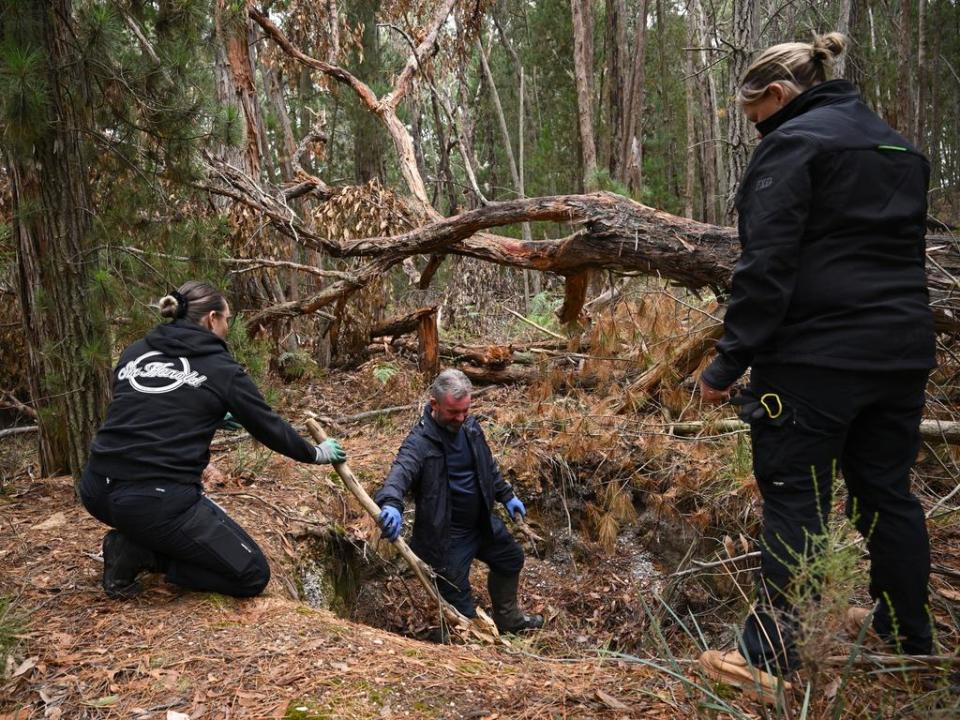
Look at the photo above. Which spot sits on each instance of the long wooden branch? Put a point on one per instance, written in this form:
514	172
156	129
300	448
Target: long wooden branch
404	81
385	108
363	91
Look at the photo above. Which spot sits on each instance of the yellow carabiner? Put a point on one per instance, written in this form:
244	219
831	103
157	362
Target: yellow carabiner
770	413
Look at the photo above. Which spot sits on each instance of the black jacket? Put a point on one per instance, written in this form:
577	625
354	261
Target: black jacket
832	219
170	393
421	467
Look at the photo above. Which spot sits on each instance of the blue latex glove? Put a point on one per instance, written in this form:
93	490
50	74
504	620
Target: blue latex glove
329	452
514	506
391	522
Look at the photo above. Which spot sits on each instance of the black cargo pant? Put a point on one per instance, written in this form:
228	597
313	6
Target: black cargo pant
474	533
196	542
865	426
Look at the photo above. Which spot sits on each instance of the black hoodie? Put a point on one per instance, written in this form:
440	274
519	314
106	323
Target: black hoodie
832	220
171	391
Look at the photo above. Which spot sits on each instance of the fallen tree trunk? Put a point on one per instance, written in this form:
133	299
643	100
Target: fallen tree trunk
403	324
503	376
489	356
618	234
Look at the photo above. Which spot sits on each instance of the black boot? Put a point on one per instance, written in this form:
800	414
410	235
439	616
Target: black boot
123	560
506	614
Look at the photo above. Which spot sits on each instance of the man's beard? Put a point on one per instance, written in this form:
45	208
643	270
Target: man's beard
451	426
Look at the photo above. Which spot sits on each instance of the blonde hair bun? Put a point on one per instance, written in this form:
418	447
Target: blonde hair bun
168	305
827	48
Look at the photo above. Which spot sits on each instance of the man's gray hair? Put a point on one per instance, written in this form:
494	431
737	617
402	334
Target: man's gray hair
451	382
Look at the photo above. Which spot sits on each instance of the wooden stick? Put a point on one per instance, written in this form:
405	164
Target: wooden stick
481	627
947	431
18	430
531	323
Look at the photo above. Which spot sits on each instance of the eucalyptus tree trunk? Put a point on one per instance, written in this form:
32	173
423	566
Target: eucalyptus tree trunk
615	88
516	171
843	26
236	81
631	150
711	159
920	106
905	89
743	38
689	85
369	148
68	341
583	71
236	85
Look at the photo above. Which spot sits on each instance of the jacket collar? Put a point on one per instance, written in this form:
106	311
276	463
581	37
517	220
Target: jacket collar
827	93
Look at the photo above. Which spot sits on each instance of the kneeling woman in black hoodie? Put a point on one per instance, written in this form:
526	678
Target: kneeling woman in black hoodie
143	478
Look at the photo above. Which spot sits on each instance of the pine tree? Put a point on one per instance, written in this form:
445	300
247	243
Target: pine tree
103	113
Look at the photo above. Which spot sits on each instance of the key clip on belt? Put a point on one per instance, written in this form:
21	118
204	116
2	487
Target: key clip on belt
769	401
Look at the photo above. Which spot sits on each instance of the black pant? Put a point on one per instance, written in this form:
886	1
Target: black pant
471	536
197	542
864	425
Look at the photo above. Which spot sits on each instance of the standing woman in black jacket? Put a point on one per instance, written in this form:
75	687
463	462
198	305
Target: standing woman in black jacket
829	307
143	478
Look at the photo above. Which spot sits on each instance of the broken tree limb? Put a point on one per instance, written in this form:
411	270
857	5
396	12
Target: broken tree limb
574	296
482	627
433	264
403	324
428	346
424	322
680	364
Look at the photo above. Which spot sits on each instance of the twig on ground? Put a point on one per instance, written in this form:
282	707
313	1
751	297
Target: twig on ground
18	430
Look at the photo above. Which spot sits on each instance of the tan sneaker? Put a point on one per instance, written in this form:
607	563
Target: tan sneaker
731	668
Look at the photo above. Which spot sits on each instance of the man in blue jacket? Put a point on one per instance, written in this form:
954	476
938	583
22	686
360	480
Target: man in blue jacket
446	462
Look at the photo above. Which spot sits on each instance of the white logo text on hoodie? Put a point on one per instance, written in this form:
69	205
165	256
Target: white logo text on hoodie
164	370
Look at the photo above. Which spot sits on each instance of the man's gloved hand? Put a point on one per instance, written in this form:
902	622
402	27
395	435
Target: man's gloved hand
229	423
391	522
514	506
330	451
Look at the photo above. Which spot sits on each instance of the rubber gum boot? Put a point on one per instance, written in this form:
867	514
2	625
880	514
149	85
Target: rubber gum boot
506	614
123	560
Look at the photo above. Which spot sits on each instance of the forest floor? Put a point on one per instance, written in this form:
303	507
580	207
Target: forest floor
343	632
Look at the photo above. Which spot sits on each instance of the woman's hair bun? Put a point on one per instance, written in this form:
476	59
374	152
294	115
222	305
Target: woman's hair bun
826	48
168	306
